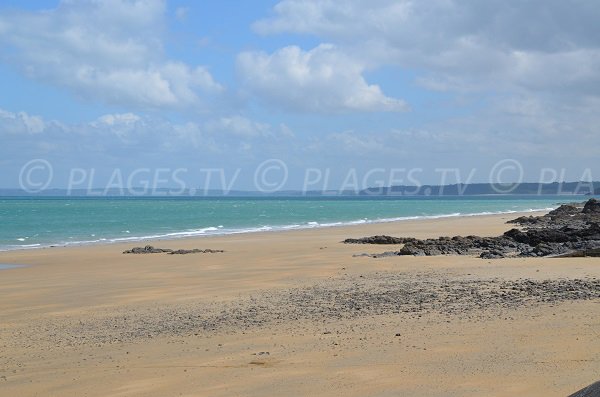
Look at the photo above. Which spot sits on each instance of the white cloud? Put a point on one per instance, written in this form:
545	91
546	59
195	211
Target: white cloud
20	123
322	80
520	79
125	131
245	128
117	119
390	143
239	126
464	45
332	18
110	51
357	145
286	131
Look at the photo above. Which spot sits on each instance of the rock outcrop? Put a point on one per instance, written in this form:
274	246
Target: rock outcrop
152	250
569	230
146	250
592	206
592	390
379	240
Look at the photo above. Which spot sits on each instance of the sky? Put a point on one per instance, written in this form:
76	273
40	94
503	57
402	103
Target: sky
298	94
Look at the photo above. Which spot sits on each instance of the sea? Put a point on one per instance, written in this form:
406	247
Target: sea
36	222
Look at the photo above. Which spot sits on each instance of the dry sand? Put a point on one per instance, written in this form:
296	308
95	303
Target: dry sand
294	313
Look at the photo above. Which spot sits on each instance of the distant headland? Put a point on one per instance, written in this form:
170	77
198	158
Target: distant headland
587	188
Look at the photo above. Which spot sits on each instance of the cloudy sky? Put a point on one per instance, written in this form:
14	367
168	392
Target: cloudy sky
329	85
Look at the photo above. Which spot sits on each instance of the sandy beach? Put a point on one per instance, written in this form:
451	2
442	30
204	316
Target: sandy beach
295	313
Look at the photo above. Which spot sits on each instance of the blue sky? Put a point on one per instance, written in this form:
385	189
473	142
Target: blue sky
328	85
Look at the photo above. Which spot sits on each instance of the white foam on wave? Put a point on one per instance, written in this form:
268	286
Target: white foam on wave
14	247
220	230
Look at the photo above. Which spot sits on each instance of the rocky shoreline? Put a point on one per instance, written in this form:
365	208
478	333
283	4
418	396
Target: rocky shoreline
571	230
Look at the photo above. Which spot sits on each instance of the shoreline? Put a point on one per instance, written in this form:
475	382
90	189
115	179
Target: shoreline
295	313
184	235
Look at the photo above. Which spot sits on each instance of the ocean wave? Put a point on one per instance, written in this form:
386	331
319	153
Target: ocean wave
220	230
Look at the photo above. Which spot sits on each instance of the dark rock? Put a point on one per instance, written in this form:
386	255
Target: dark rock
565	209
152	250
491	255
379	240
517	235
548	249
525	220
568	229
146	250
535	237
194	251
592	205
592	232
410	249
592	390
594	252
383	254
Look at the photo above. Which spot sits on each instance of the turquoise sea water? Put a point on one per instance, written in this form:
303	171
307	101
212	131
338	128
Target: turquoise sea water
39	222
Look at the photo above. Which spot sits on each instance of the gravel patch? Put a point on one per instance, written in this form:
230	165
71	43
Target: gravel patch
342	298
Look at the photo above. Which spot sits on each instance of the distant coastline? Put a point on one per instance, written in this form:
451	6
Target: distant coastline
580	188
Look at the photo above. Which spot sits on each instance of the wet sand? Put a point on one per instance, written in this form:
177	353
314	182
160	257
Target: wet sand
294	313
